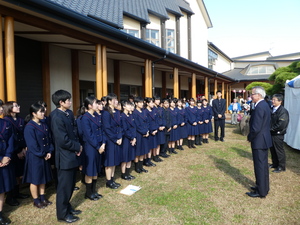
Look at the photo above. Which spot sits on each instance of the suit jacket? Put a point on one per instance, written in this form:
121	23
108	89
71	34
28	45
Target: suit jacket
260	123
219	107
65	138
279	121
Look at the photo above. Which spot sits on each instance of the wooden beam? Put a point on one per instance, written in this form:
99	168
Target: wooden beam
223	89
104	70
2	80
150	83
206	87
75	80
194	92
10	59
99	86
215	87
175	83
46	74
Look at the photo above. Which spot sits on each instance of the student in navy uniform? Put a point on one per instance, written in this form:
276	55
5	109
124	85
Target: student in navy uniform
161	130
113	131
168	123
182	128
7	177
207	117
174	132
153	129
67	150
192	121
129	139
142	134
11	111
219	107
37	170
198	138
94	144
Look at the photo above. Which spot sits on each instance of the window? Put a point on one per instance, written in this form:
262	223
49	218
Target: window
170	40
134	33
212	57
152	36
262	69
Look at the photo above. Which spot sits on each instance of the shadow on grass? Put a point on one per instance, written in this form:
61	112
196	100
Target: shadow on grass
224	166
242	153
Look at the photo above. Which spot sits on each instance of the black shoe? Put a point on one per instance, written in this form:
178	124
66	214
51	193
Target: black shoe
98	195
117	184
254	195
76	188
125	177
69	219
221	139
164	155
253	188
46	202
131	177
22	196
143	170
159	159
155	158
216	139
174	152
138	170
272	166
152	164
12	202
39	205
75	211
92	197
278	170
148	164
112	185
4	221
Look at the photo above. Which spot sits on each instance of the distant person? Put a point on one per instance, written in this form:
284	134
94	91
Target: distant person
260	138
279	124
219	107
234	108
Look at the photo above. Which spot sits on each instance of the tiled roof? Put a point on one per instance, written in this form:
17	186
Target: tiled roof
238	75
111	11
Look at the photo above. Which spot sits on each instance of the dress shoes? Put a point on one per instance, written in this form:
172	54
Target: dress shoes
152	164
216	139
75	211
125	177
39	205
138	170
117	184
69	219
12	202
253	188
92	197
22	196
98	195
131	177
143	170
76	188
46	202
148	164
278	170
221	139
4	221
272	166
164	155
254	195
111	185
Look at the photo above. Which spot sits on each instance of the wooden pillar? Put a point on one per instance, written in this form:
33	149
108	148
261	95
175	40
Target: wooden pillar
175	83
99	85
10	59
216	87
163	84
194	92
75	80
2	90
150	83
104	70
117	90
223	90
46	74
148	78
206	87
227	97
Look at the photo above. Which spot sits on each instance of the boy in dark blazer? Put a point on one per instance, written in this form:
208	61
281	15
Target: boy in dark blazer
219	107
67	149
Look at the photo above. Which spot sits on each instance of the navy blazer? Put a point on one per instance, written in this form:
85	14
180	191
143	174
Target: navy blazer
66	142
6	139
260	123
219	107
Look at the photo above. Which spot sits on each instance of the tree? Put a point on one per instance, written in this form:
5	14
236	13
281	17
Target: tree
281	75
266	86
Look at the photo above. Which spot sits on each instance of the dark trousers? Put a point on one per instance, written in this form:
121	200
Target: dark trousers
164	147
261	170
277	151
65	187
219	123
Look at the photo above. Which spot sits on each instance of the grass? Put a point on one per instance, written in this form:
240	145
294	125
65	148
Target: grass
205	185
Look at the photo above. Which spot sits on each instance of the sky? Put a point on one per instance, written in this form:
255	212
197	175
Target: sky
242	27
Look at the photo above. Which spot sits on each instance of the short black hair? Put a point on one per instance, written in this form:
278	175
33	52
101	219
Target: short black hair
60	95
278	96
219	91
1	102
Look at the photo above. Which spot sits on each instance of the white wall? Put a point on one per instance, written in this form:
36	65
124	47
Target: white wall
130	74
131	24
87	71
60	70
184	36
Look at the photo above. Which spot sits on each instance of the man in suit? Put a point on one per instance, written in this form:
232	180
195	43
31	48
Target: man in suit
67	149
279	124
219	107
261	141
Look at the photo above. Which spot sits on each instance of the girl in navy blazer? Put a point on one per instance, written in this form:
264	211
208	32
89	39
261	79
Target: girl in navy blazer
192	121
206	117
182	128
198	137
94	144
161	129
37	170
129	139
7	176
113	131
174	133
